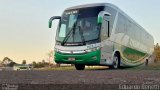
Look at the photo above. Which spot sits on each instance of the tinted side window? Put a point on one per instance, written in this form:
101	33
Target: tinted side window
120	27
104	32
130	29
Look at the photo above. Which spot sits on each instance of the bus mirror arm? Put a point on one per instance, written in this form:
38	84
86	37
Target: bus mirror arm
101	16
52	18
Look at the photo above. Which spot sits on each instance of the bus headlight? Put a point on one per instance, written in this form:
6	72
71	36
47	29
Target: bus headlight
92	49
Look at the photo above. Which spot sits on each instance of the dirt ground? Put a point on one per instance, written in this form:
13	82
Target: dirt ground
72	78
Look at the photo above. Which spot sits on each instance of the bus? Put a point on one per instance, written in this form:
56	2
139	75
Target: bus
100	34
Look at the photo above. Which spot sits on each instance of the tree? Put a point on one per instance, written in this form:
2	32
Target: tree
11	64
157	52
24	62
34	64
6	61
51	58
40	64
0	63
43	61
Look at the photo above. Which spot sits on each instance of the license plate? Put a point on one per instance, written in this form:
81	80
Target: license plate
71	59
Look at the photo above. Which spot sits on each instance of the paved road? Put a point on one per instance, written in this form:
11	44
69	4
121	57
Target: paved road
81	77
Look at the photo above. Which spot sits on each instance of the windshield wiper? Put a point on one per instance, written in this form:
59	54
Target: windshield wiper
82	37
73	33
69	34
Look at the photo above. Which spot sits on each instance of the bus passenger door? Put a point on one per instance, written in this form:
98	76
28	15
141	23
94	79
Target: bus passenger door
106	44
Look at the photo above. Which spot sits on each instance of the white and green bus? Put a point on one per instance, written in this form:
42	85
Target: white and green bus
100	34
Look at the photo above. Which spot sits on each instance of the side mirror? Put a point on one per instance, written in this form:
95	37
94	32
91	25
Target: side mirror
52	18
101	16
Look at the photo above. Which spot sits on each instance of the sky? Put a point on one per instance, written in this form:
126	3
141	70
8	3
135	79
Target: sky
24	32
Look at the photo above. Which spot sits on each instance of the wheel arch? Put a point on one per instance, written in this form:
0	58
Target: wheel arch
117	52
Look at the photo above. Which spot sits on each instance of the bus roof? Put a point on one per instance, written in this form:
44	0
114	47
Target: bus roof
91	5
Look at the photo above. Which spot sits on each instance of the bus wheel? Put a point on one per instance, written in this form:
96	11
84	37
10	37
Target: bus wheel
79	66
115	64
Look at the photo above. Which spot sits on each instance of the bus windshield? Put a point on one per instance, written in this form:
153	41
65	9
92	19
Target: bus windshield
79	25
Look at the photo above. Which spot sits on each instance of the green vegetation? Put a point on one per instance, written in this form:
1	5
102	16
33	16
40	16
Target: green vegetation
73	68
59	68
7	62
150	67
40	64
24	62
157	52
154	66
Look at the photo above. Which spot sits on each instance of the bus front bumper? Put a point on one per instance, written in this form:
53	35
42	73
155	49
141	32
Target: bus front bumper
90	58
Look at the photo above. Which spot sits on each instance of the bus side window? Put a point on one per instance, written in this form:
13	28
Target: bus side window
107	25
103	32
105	28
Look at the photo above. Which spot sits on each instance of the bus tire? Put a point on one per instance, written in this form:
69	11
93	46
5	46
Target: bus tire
116	62
79	66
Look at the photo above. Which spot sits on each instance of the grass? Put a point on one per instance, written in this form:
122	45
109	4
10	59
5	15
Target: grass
61	68
73	68
154	66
